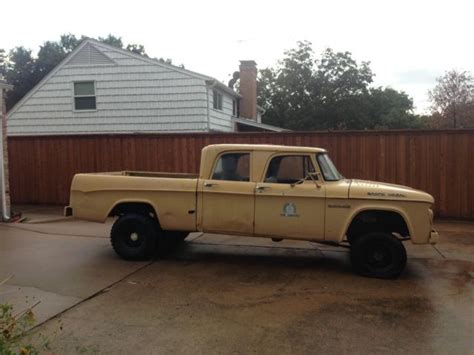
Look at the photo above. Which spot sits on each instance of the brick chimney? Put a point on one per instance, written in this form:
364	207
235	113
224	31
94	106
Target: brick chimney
248	89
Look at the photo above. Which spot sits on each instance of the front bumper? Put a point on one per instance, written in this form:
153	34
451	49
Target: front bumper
434	237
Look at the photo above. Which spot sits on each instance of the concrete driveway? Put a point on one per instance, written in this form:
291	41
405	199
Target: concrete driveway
222	294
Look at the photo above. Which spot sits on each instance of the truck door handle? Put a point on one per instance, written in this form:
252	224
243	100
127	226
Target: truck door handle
261	187
209	184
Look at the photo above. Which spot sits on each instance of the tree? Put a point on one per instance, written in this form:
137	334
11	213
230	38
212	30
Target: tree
69	42
453	99
137	49
392	109
49	55
286	91
112	40
20	72
332	92
3	62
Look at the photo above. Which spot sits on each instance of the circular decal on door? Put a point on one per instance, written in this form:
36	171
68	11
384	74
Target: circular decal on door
289	210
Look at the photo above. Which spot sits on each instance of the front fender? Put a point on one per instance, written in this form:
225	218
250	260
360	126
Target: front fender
340	216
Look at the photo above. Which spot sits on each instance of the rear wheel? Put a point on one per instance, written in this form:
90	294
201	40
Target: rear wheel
379	255
134	236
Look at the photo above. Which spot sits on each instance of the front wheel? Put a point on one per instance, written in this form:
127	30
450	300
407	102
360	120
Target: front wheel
378	255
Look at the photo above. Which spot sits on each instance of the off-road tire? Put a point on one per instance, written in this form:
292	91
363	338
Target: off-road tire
378	255
134	236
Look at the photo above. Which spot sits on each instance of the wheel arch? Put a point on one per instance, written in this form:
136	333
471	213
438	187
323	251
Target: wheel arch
379	211
136	206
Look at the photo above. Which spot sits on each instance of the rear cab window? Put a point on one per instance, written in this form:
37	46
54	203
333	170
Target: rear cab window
232	167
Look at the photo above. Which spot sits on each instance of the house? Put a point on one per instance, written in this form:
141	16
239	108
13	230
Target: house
101	89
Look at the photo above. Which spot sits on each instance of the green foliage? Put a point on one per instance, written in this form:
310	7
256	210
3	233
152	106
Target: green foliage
69	42
49	55
137	49
24	71
3	62
20	72
12	328
112	40
332	92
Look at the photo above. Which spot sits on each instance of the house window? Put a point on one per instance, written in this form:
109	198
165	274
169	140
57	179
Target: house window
217	100
84	96
235	108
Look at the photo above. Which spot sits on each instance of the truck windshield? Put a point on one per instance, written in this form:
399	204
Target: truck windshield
328	168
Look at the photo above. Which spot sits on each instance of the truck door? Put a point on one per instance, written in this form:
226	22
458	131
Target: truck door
228	196
286	205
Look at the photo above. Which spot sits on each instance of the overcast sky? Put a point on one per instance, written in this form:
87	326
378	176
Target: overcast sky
409	43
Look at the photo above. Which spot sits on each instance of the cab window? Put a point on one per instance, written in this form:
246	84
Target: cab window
288	169
232	167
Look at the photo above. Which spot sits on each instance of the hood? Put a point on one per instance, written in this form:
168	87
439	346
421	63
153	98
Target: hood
363	189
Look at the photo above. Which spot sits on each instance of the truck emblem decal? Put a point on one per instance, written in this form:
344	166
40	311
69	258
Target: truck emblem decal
289	210
375	194
397	195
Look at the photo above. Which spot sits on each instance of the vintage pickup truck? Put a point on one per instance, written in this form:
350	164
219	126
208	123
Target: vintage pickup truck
279	192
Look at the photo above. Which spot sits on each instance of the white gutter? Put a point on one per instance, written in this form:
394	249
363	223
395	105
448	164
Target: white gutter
253	123
208	89
5	212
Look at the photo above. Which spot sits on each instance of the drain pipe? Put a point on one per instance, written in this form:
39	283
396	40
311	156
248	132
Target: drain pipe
209	87
5	212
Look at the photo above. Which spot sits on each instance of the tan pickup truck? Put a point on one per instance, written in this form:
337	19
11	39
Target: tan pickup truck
279	192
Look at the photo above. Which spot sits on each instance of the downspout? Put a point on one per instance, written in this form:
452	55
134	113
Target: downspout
3	120
208	89
5	214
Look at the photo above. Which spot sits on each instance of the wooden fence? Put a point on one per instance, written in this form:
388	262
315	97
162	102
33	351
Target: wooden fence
439	162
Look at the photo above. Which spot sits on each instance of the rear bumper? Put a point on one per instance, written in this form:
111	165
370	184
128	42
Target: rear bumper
434	237
67	211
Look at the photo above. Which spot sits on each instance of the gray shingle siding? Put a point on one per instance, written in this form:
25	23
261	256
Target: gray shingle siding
132	95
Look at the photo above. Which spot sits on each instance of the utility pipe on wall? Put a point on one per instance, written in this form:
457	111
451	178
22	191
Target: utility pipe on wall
3	193
5	209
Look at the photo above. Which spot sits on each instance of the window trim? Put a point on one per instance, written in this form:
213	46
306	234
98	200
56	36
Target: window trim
311	157
216	93
235	108
214	165
341	177
74	96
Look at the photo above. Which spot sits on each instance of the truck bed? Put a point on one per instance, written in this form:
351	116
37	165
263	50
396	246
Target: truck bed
172	195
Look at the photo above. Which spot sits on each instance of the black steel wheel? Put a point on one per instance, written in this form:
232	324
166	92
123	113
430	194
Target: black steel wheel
378	255
134	236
